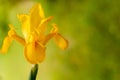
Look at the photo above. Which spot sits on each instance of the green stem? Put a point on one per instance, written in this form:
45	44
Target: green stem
34	71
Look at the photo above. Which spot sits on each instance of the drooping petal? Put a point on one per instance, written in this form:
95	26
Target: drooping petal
36	15
6	43
34	51
59	39
12	34
54	29
25	22
47	38
11	31
19	39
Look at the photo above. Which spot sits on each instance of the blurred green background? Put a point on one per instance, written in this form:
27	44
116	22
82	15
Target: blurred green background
92	28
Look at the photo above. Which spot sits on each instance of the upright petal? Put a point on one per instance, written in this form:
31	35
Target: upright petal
25	21
36	15
42	27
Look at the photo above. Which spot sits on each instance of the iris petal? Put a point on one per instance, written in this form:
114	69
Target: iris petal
59	39
6	43
12	34
43	24
25	21
36	15
47	38
34	51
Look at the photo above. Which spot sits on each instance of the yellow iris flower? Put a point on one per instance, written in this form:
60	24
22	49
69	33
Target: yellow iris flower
34	41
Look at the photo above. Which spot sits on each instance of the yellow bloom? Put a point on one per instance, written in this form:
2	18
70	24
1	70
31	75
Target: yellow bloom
34	41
